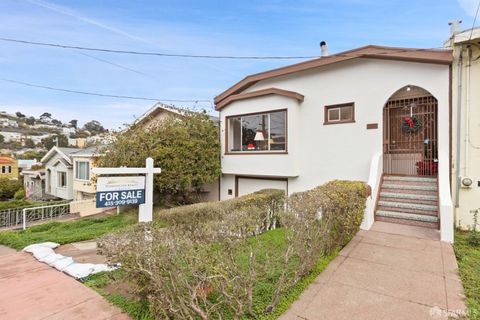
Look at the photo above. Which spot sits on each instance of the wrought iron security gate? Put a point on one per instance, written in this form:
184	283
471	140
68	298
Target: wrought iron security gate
410	136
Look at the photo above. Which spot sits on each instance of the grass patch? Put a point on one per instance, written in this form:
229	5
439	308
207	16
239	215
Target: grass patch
104	284
67	232
272	242
468	257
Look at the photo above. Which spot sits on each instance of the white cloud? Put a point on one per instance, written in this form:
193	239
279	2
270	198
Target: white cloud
469	6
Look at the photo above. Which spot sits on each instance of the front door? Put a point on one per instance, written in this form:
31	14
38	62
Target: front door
410	136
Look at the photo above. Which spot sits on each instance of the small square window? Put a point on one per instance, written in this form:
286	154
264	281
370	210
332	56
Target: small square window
340	113
230	192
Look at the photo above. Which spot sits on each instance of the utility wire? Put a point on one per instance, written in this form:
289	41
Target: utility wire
474	21
116	65
161	54
98	94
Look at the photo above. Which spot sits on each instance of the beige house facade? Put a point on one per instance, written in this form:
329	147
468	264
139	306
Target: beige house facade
465	125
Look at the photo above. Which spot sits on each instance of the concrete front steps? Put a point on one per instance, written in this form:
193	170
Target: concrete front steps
410	200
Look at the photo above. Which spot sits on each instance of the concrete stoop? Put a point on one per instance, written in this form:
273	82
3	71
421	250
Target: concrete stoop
409	200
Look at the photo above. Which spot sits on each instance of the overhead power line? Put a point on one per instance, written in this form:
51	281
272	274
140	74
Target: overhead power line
474	20
98	94
160	54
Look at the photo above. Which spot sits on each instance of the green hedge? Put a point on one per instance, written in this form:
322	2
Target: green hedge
270	201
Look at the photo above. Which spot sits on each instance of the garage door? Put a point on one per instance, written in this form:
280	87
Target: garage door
250	185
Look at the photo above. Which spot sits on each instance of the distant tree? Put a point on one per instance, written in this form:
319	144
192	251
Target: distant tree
19	114
2	139
74	123
46	116
50	142
30	155
30	121
94	127
57	122
29	143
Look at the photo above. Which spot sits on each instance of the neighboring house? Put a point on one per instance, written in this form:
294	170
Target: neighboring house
77	142
12	136
34	184
83	179
4	122
8	167
59	172
375	114
68	175
161	112
465	124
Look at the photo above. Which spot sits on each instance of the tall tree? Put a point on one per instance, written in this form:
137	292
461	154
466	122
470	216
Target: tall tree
74	123
46	116
186	148
94	127
2	139
50	142
30	121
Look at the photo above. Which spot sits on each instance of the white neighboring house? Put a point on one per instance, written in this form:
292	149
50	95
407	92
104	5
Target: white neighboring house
4	122
11	136
343	117
59	172
34	184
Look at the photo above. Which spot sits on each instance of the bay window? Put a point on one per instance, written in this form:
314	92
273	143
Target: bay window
260	132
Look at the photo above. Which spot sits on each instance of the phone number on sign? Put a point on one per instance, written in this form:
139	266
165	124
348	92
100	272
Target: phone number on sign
121	202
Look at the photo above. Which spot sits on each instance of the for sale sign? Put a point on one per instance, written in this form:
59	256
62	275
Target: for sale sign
120	191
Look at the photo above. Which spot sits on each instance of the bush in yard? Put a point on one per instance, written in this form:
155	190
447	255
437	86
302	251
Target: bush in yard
8	188
269	201
213	261
19	195
186	147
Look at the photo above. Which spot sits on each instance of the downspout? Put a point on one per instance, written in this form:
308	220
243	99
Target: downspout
459	122
467	108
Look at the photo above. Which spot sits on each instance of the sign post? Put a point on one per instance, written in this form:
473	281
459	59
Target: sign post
126	190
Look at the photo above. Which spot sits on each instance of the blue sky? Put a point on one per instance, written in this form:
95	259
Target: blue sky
263	27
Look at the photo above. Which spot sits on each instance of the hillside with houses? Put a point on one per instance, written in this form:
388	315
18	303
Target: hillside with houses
27	137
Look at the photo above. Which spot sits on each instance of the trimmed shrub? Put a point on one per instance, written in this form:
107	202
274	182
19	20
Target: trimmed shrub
19	195
269	202
208	262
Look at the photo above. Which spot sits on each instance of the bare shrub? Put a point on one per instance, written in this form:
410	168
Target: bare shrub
206	264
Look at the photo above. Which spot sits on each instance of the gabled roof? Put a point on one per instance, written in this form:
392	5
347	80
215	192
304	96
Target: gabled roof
440	56
63	152
160	107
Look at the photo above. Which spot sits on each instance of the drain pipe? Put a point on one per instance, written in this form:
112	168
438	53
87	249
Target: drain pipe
459	122
467	107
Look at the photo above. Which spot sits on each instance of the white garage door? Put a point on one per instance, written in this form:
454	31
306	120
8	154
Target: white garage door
250	185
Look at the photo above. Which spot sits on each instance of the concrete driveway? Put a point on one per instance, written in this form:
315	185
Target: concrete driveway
389	272
31	290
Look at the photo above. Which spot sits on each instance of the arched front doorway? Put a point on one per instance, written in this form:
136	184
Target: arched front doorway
410	133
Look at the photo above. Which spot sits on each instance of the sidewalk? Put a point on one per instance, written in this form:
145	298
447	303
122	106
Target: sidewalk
389	272
32	290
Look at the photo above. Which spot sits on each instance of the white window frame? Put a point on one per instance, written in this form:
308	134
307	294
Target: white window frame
77	165
241	116
59	179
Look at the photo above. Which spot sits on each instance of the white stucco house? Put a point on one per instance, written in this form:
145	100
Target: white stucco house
375	114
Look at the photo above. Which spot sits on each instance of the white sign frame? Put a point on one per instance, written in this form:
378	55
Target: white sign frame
145	211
